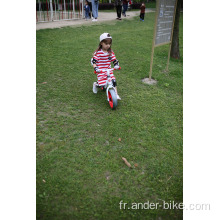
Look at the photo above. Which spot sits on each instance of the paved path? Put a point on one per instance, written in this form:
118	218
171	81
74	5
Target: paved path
103	17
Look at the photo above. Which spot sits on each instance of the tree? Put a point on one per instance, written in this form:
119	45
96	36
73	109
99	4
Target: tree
175	41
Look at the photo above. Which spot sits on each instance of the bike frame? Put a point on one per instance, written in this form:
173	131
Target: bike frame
109	84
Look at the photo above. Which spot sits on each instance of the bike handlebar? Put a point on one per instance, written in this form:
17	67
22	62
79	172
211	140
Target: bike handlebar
104	70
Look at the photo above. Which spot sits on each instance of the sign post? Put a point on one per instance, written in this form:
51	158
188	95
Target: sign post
163	29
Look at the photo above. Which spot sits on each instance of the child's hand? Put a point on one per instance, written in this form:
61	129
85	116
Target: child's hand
97	69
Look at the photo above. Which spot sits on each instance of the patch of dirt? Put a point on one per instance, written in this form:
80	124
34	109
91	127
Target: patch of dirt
149	82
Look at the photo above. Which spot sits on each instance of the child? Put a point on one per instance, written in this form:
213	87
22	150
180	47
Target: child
142	12
87	10
102	59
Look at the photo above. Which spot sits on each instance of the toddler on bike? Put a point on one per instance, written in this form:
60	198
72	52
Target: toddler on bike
102	59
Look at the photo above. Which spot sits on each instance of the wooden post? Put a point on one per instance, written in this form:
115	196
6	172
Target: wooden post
55	10
74	8
64	5
47	11
51	10
168	59
79	8
151	61
39	4
82	8
62	8
36	16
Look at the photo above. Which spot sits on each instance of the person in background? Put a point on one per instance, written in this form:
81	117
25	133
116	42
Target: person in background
125	7
90	5
118	5
87	10
142	12
95	7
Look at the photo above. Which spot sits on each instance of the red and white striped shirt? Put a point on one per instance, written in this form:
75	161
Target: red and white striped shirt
104	62
104	59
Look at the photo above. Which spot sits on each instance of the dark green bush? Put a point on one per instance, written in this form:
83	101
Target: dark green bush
106	6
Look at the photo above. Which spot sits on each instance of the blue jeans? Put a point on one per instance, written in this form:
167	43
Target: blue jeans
125	8
95	7
87	14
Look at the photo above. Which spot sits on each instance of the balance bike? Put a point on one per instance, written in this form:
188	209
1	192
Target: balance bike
110	89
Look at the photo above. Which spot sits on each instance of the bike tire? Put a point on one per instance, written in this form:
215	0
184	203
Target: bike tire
113	102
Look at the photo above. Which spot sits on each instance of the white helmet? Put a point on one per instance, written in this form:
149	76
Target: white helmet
105	36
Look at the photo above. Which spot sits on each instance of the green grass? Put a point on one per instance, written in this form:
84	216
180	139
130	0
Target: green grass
80	173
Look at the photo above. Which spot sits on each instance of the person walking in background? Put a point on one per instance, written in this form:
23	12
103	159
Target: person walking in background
142	12
95	8
118	5
90	5
125	7
87	10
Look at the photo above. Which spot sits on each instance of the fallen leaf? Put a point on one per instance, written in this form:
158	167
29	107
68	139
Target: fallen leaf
126	162
119	139
44	181
136	165
44	82
169	178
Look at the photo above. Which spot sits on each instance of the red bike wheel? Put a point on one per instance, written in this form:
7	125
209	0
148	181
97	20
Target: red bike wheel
112	99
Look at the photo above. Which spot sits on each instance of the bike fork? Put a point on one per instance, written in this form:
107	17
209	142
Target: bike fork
108	90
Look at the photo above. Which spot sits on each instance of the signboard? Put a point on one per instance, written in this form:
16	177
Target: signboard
163	29
164	23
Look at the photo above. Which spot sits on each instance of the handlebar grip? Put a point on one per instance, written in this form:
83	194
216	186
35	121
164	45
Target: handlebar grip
117	69
101	71
98	72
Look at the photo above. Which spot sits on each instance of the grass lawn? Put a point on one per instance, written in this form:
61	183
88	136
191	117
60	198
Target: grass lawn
80	140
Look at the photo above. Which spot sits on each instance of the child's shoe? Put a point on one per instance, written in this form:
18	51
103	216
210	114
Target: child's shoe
95	89
118	97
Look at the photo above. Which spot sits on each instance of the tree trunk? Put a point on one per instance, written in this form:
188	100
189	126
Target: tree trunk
175	53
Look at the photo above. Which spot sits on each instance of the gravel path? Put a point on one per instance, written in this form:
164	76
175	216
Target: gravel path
103	17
